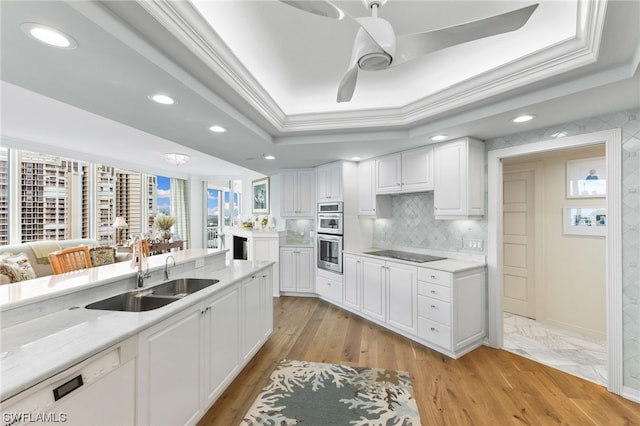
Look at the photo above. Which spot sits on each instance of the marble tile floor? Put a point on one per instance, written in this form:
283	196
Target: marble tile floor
568	351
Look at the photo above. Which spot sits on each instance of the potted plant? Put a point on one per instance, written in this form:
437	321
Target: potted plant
164	222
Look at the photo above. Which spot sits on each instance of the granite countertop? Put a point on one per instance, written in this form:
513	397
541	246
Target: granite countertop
35	350
453	262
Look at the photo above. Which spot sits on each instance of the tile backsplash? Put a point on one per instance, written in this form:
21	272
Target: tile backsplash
412	224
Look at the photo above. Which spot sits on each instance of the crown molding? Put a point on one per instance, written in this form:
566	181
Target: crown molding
190	28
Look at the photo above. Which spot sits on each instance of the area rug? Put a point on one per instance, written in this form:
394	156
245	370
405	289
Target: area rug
311	393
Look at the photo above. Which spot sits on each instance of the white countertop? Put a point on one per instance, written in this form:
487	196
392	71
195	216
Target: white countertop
35	350
450	264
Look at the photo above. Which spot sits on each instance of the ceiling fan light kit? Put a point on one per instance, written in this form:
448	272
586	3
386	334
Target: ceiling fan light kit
376	47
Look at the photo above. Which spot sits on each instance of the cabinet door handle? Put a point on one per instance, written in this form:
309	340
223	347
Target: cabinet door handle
433	277
433	307
329	284
433	292
434	329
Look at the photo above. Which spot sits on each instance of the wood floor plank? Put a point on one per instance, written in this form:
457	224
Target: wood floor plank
484	387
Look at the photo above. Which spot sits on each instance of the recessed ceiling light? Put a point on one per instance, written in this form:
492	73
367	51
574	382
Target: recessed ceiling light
269	157
162	99
559	134
437	138
48	35
217	129
356	158
523	118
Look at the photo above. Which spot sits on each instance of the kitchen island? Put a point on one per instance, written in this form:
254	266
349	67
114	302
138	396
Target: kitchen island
57	333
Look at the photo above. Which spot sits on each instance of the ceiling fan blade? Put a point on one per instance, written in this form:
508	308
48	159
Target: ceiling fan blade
412	46
317	7
348	84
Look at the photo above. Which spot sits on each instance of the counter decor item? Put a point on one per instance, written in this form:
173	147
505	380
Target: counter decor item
260	191
164	223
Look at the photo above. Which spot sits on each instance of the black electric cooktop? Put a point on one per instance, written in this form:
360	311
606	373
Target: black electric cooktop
405	255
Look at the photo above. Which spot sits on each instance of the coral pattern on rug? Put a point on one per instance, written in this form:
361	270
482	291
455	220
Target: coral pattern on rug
311	393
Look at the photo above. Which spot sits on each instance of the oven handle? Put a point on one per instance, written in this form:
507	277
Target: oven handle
328	238
329	215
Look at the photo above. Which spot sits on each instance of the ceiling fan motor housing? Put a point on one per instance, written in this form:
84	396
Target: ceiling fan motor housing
375	44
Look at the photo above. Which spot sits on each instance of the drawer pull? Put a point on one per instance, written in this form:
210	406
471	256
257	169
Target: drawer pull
434	329
434	307
433	277
433	292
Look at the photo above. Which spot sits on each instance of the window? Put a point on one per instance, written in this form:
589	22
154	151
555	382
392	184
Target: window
58	198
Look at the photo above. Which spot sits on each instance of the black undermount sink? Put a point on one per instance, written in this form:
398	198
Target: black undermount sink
153	297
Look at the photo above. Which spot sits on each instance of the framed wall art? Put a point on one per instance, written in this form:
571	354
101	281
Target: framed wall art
260	192
585	220
586	178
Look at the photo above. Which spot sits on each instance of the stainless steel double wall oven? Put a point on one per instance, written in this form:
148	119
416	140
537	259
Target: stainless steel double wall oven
330	228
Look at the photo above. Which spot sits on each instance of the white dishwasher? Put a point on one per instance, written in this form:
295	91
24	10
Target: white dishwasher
98	391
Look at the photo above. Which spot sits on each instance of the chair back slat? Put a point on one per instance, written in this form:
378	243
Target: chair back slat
70	259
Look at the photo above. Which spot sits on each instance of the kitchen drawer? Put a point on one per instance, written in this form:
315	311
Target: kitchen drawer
434	276
434	332
435	310
330	289
434	290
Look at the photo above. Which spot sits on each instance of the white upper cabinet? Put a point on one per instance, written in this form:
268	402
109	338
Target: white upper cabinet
368	203
408	171
298	194
389	174
459	179
417	169
329	182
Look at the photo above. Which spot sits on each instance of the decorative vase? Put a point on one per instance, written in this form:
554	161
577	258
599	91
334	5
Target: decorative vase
165	235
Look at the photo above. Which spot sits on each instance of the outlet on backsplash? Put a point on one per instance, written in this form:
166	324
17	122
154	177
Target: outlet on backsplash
472	244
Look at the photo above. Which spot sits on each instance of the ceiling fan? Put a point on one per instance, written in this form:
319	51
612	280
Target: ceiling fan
376	46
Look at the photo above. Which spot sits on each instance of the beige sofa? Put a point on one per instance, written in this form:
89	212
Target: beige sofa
40	249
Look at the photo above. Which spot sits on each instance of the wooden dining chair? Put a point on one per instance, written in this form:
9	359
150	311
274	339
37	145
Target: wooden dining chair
70	259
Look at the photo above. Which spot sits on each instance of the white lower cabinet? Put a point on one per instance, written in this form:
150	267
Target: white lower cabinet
186	361
329	286
169	370
401	296
296	270
442	310
223	360
374	285
451	309
389	292
352	270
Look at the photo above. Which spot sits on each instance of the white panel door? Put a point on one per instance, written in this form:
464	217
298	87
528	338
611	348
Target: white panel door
388	174
223	343
519	290
306	194
171	371
352	280
402	296
417	169
374	280
289	194
252	334
305	260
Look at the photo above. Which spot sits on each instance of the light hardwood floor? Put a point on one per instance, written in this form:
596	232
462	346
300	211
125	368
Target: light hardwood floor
484	387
